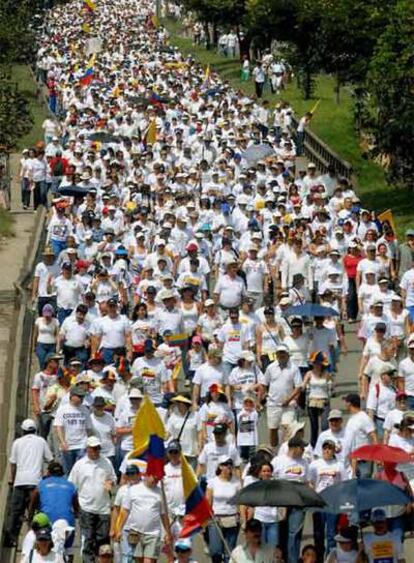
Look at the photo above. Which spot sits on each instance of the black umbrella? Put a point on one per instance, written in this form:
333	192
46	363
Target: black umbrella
74	191
103	137
357	495
278	492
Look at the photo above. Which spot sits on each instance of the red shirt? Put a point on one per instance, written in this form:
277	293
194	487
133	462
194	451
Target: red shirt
350	264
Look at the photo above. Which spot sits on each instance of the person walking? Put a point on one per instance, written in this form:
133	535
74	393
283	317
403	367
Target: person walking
259	77
27	457
94	477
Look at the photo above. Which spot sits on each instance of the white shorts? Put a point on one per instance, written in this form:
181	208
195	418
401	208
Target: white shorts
279	416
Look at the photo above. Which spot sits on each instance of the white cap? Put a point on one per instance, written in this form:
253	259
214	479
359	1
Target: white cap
166	294
282	348
247	355
28	424
208	302
224	458
93	442
135	394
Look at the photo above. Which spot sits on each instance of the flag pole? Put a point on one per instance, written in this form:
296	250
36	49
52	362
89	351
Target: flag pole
167	517
223	539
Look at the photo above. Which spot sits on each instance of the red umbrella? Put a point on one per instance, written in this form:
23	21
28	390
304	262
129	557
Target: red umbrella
381	453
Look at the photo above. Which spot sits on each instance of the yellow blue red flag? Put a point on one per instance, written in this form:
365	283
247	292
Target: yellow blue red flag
197	508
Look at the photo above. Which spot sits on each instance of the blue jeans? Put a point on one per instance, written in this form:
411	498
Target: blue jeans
42	350
108	354
410	402
69	459
57	246
270	533
62	314
322	521
379	425
216	547
295	521
80	354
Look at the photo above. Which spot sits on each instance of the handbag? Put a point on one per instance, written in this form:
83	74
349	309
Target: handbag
317	403
228	521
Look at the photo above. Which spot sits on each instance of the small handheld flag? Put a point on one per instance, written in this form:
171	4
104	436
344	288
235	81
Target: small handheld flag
89	5
315	107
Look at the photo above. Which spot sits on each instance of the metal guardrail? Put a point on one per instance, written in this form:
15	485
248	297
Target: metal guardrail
322	155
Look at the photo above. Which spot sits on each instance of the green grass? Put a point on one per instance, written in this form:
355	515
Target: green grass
38	109
332	122
6	223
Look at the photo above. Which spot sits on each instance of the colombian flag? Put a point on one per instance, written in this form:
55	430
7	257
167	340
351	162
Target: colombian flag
206	84
197	508
148	435
151	135
89	73
179	339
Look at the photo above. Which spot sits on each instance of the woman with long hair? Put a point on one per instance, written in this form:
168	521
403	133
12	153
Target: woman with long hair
268	337
141	329
318	384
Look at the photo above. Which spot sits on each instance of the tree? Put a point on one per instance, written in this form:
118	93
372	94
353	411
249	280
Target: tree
391	84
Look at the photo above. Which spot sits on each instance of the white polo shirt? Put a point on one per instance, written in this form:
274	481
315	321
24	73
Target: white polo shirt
281	382
112	330
89	477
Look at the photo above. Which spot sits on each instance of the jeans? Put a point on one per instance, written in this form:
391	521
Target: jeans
45	423
379	426
42	351
300	137
70	457
216	547
57	246
95	532
39	194
52	103
62	314
108	354
19	502
25	191
352	299
80	354
322	521
295	521
270	533
314	414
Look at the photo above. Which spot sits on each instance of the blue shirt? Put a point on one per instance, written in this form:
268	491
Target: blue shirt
56	499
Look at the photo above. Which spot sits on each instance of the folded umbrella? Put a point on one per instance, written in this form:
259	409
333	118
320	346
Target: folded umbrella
381	453
310	310
357	495
103	137
73	191
278	492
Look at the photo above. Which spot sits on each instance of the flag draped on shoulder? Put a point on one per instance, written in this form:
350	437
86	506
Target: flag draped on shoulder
197	508
148	435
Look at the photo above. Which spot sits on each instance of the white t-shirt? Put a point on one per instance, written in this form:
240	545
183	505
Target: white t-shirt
223	491
189	435
247	422
234	338
104	427
381	399
406	371
386	548
68	292
126	420
43	272
154	375
89	477
357	429
174	491
323	473
29	453
393	418
75	333
230	290
337	437
281	382
76	423
145	507
246	377
407	283
286	467
112	331
41	383
255	271
206	375
211	453
214	413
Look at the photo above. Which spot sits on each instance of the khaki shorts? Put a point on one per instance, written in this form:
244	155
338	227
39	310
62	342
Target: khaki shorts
148	546
279	416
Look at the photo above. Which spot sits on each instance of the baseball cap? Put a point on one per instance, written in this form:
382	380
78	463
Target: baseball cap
75	390
410	342
28	424
220	428
44	534
345	535
334	413
112	302
409	233
296	442
149	345
182	544
378	515
93	442
98	402
353	399
132	469
329	443
282	348
208	302
41	519
225	459
174	446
